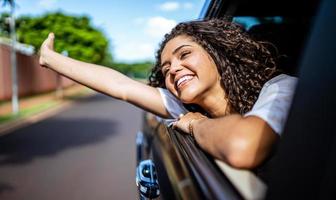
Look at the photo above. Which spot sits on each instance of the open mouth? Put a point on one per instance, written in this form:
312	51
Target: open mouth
183	80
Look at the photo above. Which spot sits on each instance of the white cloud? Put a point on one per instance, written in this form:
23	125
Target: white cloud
47	3
158	26
169	6
173	6
143	49
135	51
151	32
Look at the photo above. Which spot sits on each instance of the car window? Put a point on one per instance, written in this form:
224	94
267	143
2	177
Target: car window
285	36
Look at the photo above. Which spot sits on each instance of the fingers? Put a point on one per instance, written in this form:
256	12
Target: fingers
48	44
179	123
184	120
51	35
174	125
180	116
50	39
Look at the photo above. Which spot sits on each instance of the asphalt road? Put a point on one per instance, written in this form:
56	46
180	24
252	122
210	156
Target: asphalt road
85	152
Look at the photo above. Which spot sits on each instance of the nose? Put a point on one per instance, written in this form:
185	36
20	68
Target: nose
175	67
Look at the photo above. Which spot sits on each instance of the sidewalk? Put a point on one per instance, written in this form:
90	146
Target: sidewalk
38	107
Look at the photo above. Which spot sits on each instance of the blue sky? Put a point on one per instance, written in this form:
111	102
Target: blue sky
135	27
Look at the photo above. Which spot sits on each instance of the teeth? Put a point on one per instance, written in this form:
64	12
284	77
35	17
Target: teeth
183	79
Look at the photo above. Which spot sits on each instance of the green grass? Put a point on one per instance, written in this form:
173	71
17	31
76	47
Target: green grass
28	111
43	106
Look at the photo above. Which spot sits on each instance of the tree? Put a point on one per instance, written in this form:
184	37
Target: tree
4	25
74	34
137	70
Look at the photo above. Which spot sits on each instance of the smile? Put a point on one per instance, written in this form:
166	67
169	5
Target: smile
184	79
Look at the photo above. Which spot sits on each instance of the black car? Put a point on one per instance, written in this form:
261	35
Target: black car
303	166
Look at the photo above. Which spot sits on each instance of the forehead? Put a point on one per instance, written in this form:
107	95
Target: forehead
174	43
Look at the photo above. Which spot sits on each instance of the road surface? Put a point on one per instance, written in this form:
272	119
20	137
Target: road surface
85	152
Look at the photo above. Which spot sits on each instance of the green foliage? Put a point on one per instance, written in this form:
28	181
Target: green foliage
74	34
136	70
4	26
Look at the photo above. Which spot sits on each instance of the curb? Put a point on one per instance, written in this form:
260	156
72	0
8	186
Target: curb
20	123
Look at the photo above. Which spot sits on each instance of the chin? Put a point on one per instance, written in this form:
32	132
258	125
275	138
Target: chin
188	96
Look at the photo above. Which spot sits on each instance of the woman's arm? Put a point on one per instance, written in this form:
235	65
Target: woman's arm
243	142
103	79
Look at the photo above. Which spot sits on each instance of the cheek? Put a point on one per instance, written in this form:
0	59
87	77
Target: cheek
170	85
202	63
167	82
212	68
194	62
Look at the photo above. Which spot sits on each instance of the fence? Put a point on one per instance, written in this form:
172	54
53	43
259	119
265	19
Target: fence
32	79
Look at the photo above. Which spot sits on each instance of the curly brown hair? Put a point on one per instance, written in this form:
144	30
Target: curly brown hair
243	63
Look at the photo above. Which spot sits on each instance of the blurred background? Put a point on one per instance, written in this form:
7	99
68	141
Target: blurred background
119	34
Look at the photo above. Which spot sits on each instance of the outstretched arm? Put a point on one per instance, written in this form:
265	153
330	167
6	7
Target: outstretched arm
102	79
243	142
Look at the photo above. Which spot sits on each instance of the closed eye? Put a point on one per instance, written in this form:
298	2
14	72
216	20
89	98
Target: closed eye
184	54
165	70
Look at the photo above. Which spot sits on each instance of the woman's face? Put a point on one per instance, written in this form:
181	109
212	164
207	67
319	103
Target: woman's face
190	72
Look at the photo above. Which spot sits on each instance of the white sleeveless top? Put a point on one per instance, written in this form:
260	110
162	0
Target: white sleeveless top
272	105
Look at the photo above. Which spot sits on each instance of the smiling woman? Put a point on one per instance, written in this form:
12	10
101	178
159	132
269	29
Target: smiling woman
233	80
210	80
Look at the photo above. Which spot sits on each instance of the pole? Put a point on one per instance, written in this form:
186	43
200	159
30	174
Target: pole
15	99
59	88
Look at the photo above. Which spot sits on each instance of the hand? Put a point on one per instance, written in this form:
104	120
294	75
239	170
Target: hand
184	120
47	45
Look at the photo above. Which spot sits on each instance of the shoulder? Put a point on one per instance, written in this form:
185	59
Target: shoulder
283	81
280	88
274	101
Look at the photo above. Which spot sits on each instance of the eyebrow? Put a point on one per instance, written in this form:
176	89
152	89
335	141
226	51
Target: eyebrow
174	52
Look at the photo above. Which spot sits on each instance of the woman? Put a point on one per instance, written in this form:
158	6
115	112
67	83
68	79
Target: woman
210	71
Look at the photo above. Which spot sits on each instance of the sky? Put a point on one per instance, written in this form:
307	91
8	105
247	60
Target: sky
134	27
